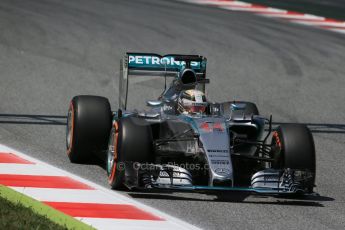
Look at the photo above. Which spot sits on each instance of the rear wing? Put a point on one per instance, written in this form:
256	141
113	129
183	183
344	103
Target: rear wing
150	64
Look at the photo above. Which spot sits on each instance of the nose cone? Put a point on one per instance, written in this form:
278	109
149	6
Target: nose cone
215	139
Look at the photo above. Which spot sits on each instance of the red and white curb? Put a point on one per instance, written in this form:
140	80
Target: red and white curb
287	15
84	200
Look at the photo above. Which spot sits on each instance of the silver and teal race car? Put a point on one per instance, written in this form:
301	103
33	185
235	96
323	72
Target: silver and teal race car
185	142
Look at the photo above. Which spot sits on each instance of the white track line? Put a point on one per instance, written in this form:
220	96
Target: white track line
338	30
70	195
106	224
314	23
27	169
293	16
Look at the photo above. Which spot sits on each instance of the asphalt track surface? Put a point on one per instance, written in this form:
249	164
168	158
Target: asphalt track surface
53	50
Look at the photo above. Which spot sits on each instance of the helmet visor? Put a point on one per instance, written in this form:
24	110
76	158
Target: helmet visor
197	109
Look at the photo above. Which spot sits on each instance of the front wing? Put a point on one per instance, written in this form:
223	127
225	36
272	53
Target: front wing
268	181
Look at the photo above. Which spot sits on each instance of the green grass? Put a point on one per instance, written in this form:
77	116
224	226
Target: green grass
18	211
16	216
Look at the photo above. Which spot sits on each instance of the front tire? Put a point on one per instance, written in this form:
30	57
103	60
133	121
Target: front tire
296	149
88	127
130	142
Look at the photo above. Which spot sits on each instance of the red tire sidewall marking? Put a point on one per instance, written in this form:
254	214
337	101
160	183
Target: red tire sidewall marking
71	108
277	139
113	169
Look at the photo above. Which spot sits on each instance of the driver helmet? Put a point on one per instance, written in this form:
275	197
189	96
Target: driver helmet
192	101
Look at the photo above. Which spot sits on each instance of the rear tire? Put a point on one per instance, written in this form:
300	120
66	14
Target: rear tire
88	127
296	149
131	142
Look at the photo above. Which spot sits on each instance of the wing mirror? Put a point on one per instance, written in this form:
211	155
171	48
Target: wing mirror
154	103
238	106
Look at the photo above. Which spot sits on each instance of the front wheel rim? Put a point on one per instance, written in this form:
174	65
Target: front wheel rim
70	128
112	155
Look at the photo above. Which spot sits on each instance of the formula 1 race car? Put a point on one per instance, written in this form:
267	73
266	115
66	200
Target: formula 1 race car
186	142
